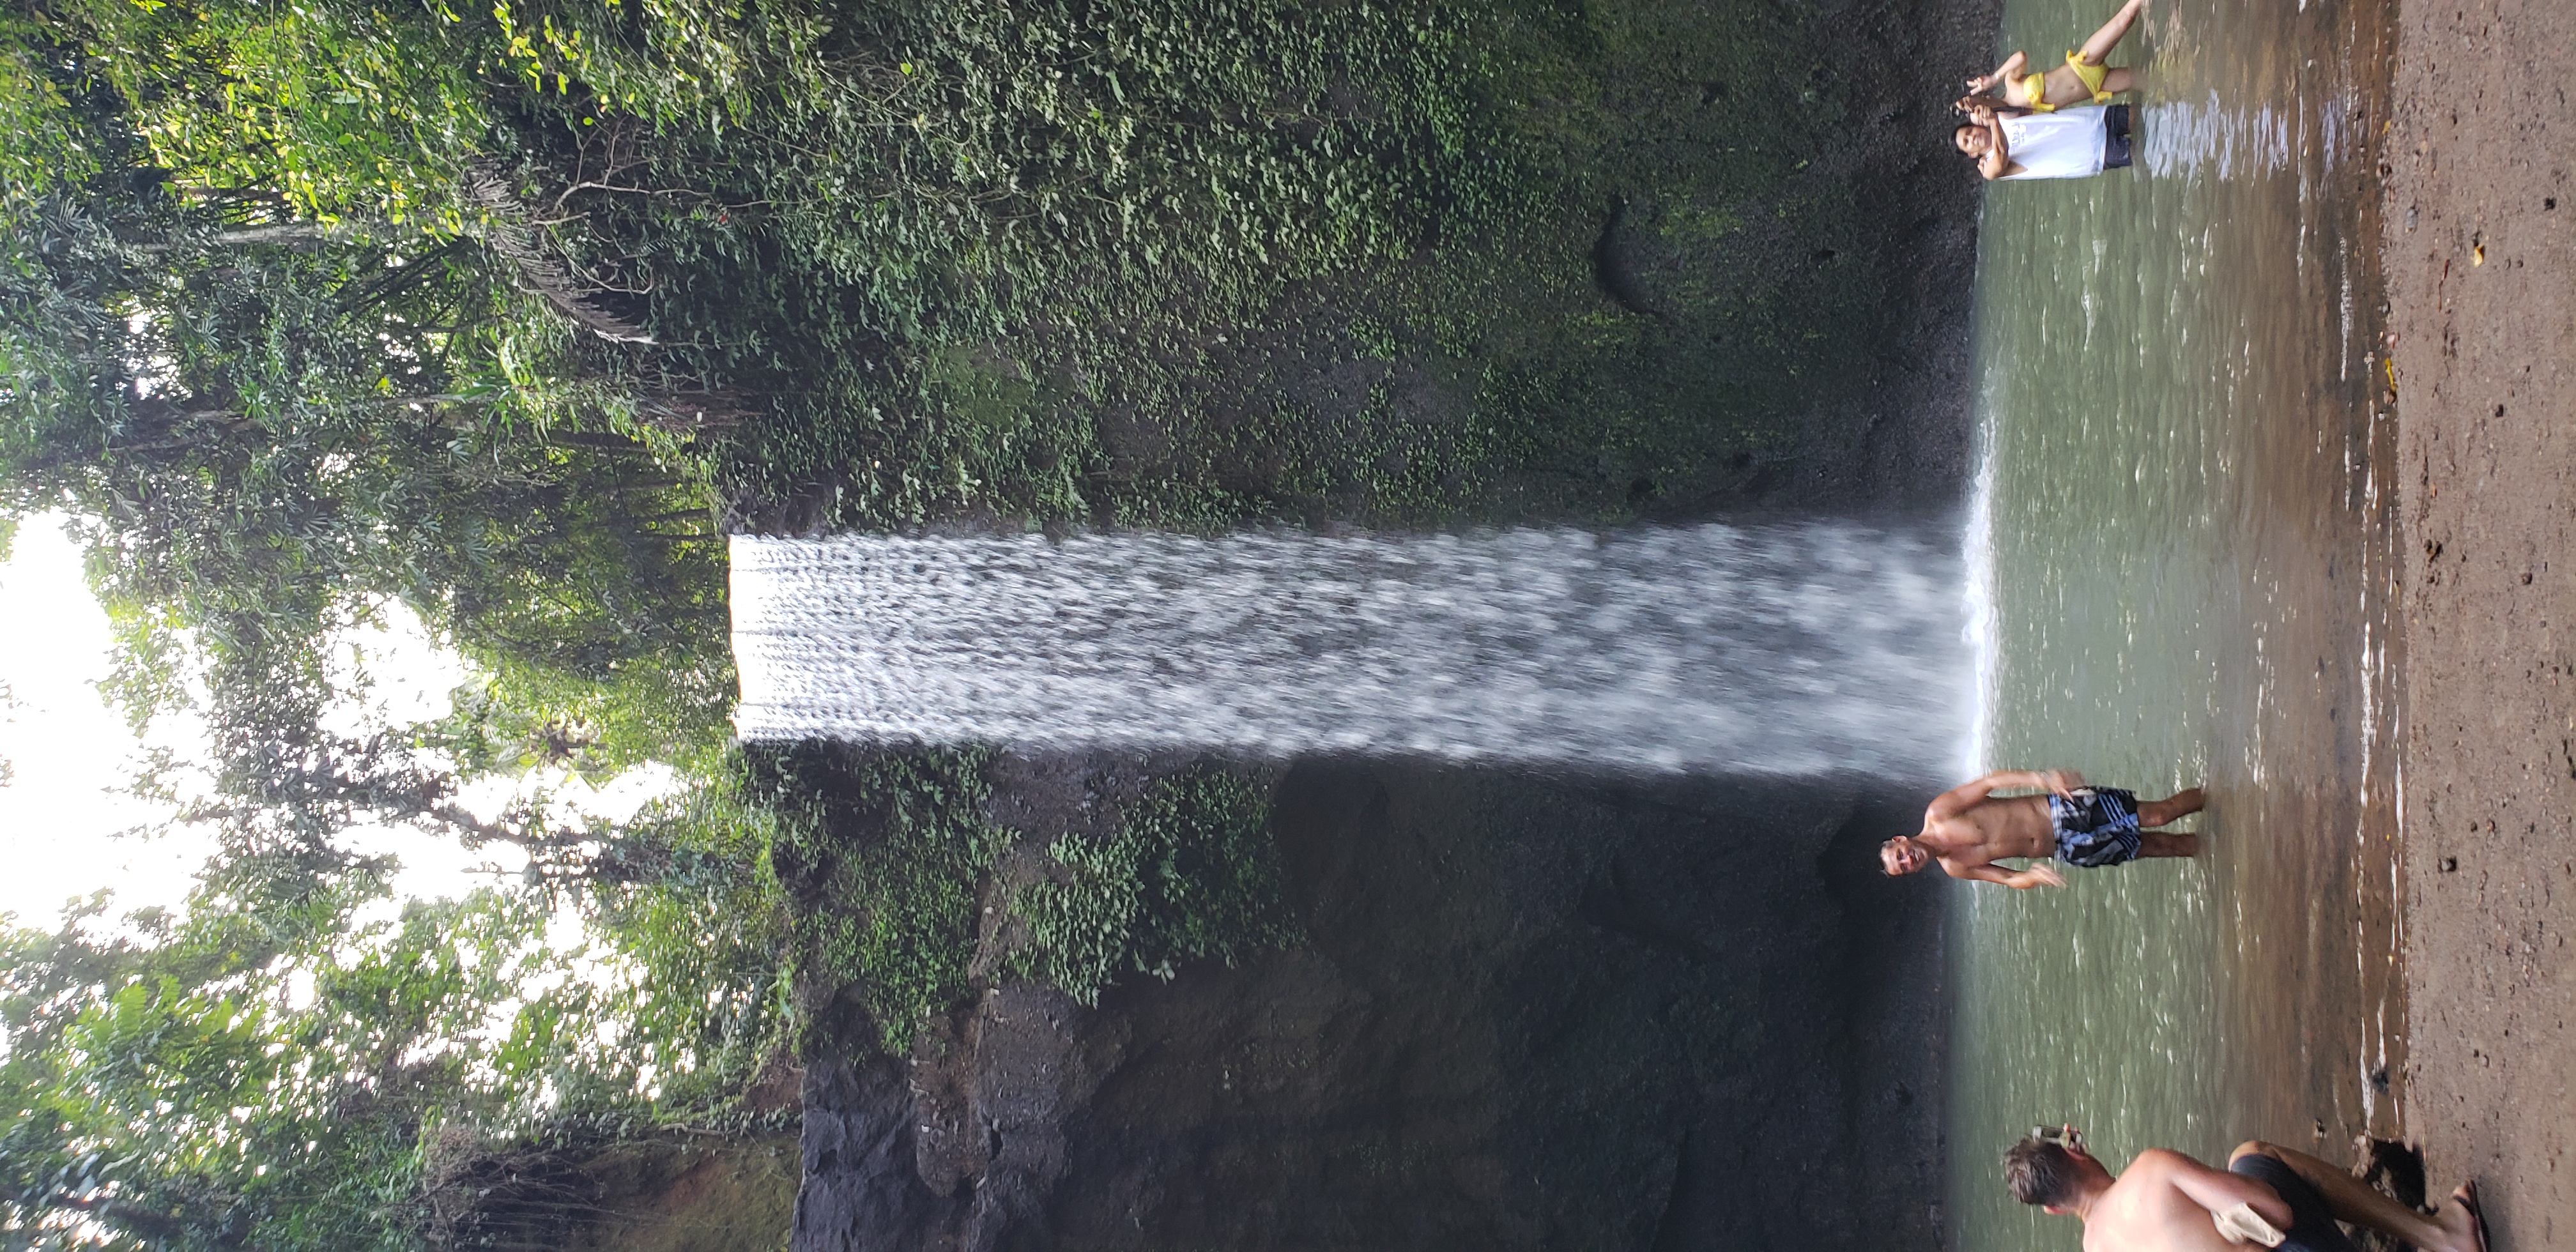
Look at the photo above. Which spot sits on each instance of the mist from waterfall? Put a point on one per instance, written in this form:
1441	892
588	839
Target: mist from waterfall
1785	650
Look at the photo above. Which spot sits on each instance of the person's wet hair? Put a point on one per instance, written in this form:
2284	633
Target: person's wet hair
2040	1171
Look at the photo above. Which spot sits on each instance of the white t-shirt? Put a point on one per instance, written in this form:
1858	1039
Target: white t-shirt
2065	144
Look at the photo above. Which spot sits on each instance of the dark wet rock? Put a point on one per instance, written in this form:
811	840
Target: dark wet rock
2394	1169
1530	1014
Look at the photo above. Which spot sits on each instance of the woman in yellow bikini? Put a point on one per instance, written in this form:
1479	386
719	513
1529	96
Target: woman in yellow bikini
2084	79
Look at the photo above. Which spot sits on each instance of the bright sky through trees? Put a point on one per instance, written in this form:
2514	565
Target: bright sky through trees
69	753
64	810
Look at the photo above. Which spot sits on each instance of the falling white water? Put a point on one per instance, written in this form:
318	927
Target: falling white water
1782	650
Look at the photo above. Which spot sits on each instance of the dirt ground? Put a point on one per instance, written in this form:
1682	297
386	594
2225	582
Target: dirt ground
2480	224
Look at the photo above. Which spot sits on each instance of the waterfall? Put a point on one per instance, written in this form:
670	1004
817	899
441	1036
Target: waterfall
1795	649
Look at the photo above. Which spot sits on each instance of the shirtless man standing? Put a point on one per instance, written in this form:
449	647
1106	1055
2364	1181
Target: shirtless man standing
2166	1200
1968	828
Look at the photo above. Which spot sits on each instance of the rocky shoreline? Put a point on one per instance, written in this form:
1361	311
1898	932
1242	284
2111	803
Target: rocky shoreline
2481	265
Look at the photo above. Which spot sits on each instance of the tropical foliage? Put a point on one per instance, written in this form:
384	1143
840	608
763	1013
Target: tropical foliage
1189	875
316	1070
323	313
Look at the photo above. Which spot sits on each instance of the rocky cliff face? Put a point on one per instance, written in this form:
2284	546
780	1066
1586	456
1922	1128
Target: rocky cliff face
1529	1014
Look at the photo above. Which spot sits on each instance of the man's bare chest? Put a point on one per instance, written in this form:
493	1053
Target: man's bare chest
2013	826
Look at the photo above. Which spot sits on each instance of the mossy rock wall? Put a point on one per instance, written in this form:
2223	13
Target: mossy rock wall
1203	264
1531	1014
721	1197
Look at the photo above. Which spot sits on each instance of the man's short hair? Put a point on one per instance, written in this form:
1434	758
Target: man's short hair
2040	1171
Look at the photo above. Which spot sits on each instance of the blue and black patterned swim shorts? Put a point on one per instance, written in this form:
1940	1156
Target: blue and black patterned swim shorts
2097	826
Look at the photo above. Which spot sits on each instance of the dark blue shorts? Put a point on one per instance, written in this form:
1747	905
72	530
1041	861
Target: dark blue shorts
2115	137
2096	827
2312	1224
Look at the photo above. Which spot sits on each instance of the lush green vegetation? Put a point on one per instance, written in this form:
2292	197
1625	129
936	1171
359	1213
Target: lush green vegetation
885	852
1189	874
314	1073
893	862
503	317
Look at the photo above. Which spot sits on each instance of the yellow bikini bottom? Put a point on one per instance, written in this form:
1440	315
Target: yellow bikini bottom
2092	76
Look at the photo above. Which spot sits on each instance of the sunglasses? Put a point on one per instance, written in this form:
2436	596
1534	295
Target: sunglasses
2067	1136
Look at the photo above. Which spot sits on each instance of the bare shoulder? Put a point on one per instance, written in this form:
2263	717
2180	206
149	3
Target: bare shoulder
2167	1168
2165	1160
2156	1167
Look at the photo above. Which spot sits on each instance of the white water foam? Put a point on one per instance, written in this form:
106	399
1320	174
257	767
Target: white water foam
2214	137
1799	650
1982	630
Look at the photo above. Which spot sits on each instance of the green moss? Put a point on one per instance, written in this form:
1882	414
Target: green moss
1189	874
1693	223
886	854
1086	264
885	851
984	388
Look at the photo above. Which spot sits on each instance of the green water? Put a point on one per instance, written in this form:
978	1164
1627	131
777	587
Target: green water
2179	509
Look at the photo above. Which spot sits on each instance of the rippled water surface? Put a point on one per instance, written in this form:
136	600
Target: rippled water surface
2182	538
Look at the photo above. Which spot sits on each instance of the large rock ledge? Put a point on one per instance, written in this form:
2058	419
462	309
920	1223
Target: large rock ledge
1528	1014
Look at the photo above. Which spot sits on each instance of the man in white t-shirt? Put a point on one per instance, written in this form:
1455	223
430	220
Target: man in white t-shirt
2068	143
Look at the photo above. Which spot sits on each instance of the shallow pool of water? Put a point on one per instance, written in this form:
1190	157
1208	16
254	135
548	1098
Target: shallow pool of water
2182	538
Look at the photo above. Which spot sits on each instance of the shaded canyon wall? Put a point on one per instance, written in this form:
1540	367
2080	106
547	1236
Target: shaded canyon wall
1531	1014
